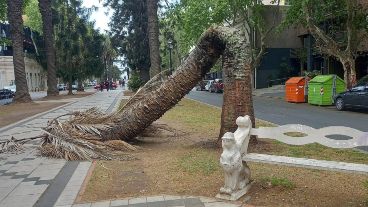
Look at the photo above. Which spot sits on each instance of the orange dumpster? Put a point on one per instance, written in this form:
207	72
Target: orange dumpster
294	90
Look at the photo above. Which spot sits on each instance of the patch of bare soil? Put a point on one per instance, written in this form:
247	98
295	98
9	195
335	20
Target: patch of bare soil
128	93
66	96
17	111
175	159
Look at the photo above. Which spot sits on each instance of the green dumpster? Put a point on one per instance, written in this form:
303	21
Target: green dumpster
322	88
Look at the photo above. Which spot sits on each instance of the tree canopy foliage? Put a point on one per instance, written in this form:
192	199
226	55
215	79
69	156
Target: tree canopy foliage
33	17
338	26
79	46
129	34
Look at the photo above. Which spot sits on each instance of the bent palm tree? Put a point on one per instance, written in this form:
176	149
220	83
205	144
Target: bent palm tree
46	12
17	36
82	136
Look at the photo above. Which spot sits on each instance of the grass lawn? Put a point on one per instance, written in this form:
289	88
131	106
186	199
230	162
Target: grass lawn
184	160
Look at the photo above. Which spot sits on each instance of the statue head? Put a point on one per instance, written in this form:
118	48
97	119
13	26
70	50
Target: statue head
243	121
228	140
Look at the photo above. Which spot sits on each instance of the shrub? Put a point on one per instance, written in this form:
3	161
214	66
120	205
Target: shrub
135	82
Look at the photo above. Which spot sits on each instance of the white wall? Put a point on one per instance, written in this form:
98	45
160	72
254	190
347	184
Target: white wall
36	76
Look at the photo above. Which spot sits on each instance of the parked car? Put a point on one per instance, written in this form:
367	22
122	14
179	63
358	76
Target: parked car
12	88
61	87
201	86
207	86
217	86
6	94
357	97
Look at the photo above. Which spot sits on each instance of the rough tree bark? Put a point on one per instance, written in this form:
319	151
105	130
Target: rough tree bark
46	12
153	35
17	36
237	83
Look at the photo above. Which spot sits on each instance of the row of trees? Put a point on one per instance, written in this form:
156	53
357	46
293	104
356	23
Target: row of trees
70	49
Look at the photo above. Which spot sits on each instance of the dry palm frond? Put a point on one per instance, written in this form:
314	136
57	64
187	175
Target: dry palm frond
10	145
80	139
92	129
15	145
91	116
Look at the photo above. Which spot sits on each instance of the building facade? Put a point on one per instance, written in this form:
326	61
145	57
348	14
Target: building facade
35	74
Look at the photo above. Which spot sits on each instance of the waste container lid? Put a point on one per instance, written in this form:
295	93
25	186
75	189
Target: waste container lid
325	78
294	80
321	78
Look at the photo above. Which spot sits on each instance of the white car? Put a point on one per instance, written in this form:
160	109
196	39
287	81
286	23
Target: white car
61	87
12	88
208	85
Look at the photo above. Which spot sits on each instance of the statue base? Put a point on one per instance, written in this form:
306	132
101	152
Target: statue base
235	195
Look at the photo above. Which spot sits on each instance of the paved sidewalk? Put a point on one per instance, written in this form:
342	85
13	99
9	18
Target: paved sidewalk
163	201
29	180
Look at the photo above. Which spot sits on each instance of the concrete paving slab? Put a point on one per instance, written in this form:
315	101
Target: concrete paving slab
119	202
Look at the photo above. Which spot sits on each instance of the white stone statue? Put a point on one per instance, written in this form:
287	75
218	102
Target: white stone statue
237	172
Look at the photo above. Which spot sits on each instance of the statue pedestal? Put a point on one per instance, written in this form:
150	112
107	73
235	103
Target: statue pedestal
235	195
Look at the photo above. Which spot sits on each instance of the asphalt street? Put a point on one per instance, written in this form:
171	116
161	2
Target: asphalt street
280	112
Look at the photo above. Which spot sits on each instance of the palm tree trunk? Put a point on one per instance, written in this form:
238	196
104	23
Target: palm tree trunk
154	104
46	12
153	35
237	72
17	36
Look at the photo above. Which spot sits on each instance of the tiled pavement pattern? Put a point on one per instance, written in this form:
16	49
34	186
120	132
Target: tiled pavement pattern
162	201
26	178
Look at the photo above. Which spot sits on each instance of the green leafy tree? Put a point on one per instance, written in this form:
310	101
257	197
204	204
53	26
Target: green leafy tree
337	26
109	54
33	18
3	7
194	17
129	34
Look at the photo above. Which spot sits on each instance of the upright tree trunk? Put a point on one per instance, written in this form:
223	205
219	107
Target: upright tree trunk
153	35
17	36
237	74
144	74
70	85
46	12
349	72
80	86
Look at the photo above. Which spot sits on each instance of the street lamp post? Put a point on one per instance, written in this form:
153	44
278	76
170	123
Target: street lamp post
171	46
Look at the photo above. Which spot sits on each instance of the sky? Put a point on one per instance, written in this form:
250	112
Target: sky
100	17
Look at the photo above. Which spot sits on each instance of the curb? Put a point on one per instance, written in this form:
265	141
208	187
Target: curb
85	182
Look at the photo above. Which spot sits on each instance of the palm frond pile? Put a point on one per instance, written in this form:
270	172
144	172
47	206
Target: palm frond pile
82	137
